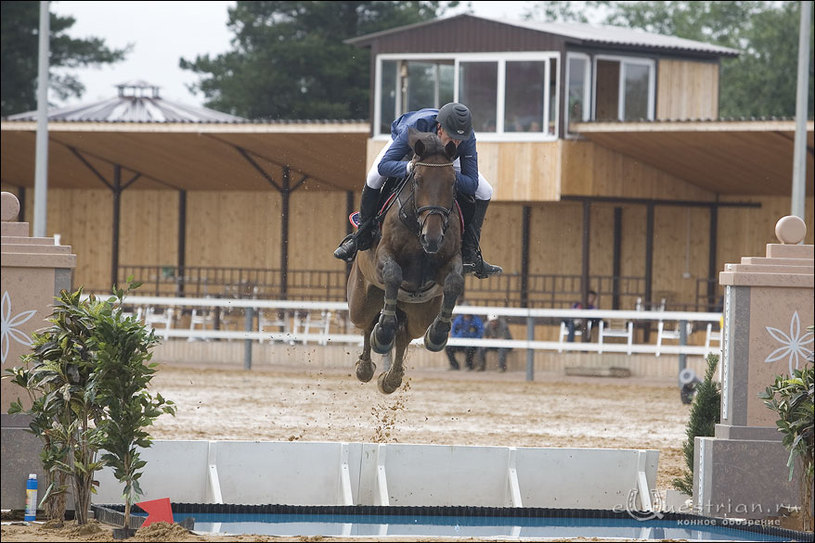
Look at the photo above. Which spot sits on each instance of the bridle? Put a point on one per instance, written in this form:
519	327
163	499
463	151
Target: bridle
416	220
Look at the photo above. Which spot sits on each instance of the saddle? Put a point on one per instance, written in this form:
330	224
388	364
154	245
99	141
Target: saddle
388	193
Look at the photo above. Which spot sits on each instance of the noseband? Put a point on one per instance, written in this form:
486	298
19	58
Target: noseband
420	215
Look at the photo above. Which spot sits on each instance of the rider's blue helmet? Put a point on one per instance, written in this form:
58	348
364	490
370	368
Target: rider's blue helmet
456	120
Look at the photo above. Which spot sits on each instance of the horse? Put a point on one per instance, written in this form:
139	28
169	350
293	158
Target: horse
407	284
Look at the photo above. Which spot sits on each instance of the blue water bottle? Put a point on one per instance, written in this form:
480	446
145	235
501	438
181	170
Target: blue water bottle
31	498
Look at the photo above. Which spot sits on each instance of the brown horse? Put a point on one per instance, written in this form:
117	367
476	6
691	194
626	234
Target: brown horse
407	283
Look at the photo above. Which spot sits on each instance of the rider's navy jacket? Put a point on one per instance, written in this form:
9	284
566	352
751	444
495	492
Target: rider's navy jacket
424	120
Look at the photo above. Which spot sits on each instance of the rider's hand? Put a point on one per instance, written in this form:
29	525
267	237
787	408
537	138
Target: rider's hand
409	167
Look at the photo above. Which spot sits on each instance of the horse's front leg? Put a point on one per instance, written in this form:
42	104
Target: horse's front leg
384	331
435	339
365	367
389	381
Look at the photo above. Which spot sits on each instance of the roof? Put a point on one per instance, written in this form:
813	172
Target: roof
577	32
191	156
725	157
138	101
616	35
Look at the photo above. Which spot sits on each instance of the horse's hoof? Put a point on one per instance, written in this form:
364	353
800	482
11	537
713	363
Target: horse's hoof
433	346
385	387
377	346
365	370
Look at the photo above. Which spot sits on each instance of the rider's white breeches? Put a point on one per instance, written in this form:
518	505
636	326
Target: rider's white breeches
375	181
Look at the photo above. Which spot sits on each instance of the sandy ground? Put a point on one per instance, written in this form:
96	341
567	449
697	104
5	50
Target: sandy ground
432	407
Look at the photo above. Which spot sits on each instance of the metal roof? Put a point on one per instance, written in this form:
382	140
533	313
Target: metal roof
586	33
137	102
615	35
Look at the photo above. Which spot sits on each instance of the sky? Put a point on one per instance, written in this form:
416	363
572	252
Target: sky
163	32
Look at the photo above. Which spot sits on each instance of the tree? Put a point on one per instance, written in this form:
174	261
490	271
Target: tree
20	55
761	82
289	60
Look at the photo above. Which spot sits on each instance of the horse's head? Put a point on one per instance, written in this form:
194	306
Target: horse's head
434	187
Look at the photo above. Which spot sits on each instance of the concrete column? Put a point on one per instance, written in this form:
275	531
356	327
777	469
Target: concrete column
34	270
741	472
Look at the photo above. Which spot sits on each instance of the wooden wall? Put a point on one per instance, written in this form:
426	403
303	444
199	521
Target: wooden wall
242	229
687	90
589	169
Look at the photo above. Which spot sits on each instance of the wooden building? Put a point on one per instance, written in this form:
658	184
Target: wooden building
610	167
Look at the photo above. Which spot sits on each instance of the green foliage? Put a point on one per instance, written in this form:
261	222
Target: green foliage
791	398
123	373
705	413
20	54
289	61
86	379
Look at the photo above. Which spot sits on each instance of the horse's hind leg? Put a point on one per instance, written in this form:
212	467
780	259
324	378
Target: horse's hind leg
384	331
389	381
437	333
365	367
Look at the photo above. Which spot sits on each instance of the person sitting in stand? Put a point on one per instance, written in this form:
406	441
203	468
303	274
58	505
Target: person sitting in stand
496	328
464	326
453	122
571	324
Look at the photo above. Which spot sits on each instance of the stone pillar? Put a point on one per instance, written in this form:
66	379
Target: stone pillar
741	472
34	270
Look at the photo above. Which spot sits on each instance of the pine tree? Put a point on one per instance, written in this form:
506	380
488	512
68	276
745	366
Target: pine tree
704	415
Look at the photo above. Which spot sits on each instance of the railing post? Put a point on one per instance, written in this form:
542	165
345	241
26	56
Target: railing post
683	340
247	343
530	353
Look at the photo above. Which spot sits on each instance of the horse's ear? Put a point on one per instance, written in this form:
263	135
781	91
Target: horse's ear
450	149
416	141
413	136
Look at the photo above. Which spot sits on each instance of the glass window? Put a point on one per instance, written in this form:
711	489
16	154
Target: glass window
623	90
387	105
552	103
525	86
636	85
478	89
577	90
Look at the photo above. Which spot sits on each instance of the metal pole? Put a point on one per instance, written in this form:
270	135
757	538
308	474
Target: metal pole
799	166
247	343
683	341
41	165
530	353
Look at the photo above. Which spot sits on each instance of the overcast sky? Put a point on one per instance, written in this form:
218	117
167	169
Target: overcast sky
163	32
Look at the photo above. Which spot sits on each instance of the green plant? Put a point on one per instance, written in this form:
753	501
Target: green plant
123	375
86	379
791	398
705	413
65	414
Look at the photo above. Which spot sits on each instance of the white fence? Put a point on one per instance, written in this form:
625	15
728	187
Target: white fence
673	324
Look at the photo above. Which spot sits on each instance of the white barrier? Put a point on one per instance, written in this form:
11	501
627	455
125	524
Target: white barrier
531	315
322	473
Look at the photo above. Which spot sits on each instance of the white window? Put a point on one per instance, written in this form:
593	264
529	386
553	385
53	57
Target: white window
578	89
511	95
623	89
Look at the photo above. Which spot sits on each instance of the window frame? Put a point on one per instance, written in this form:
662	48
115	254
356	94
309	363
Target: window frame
501	59
588	90
623	60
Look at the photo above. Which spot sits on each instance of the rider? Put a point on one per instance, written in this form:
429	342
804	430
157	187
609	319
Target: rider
453	122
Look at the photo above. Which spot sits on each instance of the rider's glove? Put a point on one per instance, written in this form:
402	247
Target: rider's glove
409	167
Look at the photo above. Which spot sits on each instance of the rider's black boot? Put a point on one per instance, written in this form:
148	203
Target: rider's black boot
364	236
470	251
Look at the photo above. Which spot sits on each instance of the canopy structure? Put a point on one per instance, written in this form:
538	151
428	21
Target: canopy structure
724	157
